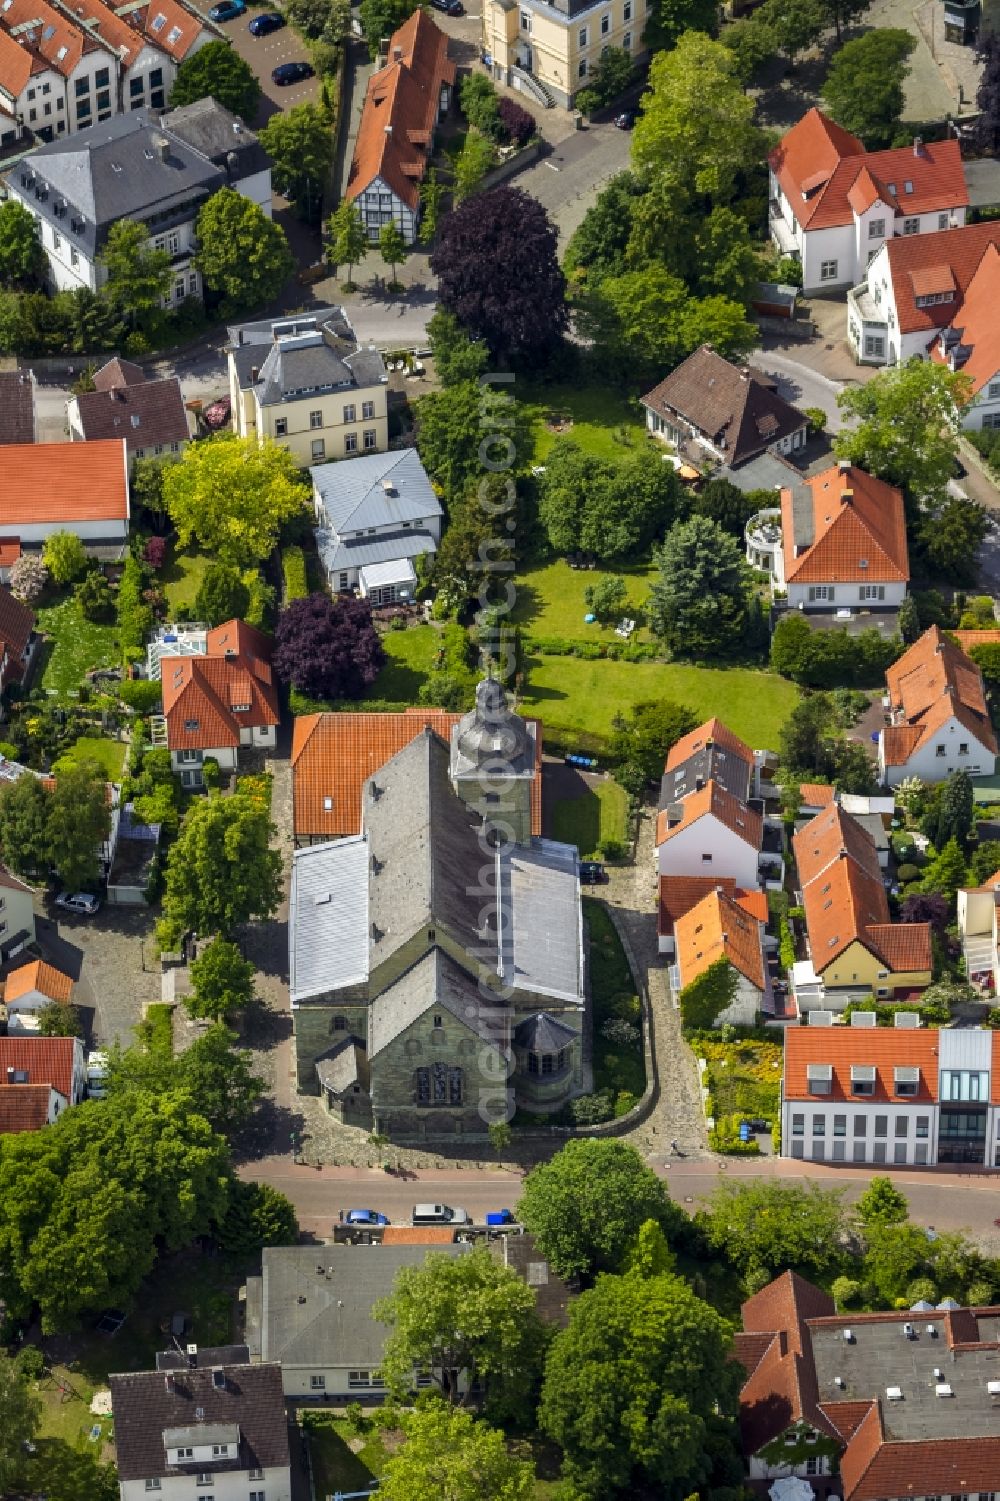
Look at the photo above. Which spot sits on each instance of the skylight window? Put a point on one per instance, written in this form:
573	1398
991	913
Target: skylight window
61	54
173	35
158	22
49	31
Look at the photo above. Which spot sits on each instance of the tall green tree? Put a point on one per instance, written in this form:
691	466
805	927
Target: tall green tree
843	12
79	821
392	248
461	1316
222	595
955	810
906	426
65	556
243	255
257	1216
644	736
633	1385
882	1204
597	248
457	357
348	239
946	872
586	1206
863	89
221	871
221	981
219	1079
452	426
765	1227
795	25
614	510
697	604
24	827
299	142
232	495
449	1456
216	71
380	18
949	535
669	19
22	1412
138	275
22	259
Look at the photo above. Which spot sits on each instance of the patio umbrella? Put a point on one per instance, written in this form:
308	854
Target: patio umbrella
792	1488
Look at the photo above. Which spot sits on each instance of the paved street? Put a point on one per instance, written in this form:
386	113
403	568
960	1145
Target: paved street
799	383
567	181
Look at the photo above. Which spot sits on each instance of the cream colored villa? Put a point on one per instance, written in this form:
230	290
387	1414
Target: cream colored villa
549	51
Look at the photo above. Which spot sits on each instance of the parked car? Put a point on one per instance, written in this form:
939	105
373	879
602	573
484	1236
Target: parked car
263	25
450	7
365	1217
438	1214
228	10
501	1217
592	873
287	73
80	902
626	119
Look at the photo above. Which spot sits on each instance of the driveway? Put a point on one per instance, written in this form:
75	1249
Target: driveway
109	958
799	383
264	53
567	181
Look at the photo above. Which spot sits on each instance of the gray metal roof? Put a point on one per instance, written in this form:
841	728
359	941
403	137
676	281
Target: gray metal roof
542	1033
317	1301
362	552
201	1433
544	946
303	353
214	131
436	981
354	493
328	918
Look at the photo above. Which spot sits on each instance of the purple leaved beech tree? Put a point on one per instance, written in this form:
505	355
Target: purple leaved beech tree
328	648
926	906
499	273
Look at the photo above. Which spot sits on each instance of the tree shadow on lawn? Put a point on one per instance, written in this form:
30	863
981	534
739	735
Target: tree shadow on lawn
527	606
64	1473
578	822
398	683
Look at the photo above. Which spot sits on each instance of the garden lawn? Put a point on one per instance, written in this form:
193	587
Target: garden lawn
618	1067
410	659
744	1076
550	599
602	423
589	820
577	700
181	576
109	754
74	645
336	1466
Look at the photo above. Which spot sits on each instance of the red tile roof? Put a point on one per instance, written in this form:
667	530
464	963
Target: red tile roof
713	730
10	551
333	755
16	625
882	1048
46	1060
719	927
968	639
678	894
859	531
782	1387
39	976
400	111
65	482
828	177
977	324
921	265
418	1235
815	795
931	683
24	1107
168	26
713	799
208	700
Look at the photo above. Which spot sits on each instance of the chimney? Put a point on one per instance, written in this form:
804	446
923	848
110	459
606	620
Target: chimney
699	783
192	1356
388	130
744	372
168	1382
918	145
162	146
847	497
10	1076
254	374
844	465
397	53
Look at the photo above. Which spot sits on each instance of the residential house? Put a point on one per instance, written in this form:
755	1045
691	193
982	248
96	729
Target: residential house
55	1061
725	412
307	383
868	1406
407	98
216	704
28	1107
17	904
710	753
139	166
64	487
838	540
550	51
913	288
833	204
333	755
374	515
553	1296
184	639
130	869
712	832
814	798
731	927
938	720
971	344
17	403
27	992
855	950
207	1421
149	414
405	988
907	1096
310	1312
17	637
977	924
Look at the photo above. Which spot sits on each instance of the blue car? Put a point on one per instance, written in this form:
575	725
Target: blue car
265	24
286	73
365	1217
228	10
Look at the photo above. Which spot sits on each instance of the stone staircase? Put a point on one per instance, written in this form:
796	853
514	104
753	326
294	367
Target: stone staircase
533	86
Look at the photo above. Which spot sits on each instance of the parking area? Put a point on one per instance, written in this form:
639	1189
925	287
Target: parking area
110	959
264	53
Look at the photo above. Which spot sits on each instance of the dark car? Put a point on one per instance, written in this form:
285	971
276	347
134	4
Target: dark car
365	1217
287	73
228	10
592	872
265	24
450	7
626	119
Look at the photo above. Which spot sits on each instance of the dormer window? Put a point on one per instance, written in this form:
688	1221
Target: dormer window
819	1078
906	1081
241	708
191	725
862	1079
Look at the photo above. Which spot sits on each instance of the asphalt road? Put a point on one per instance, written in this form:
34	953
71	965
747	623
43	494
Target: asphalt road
800	384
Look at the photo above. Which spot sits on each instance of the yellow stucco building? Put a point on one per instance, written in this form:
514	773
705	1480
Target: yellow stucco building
550	51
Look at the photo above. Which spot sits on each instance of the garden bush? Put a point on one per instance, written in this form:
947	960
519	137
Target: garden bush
591	1109
141	694
907	873
293	573
154	554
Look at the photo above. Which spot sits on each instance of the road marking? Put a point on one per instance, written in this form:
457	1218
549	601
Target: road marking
552	167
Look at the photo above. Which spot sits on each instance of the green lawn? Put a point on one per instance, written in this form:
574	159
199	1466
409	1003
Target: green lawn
588	820
107	753
618	1066
410	656
74	645
600	422
181	576
577	700
550	599
336	1467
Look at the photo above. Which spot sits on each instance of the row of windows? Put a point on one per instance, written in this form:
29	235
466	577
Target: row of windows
354	1378
316	419
548	1063
820	592
860	1126
317	453
583	35
859	1151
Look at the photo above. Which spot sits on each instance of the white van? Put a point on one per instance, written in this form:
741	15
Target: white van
438	1214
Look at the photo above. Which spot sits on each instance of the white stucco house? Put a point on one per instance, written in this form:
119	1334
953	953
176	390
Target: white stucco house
721	926
218	702
833	205
939	718
374	516
710	833
971	344
66	487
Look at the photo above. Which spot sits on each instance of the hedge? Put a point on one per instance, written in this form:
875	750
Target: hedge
293	573
592	651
